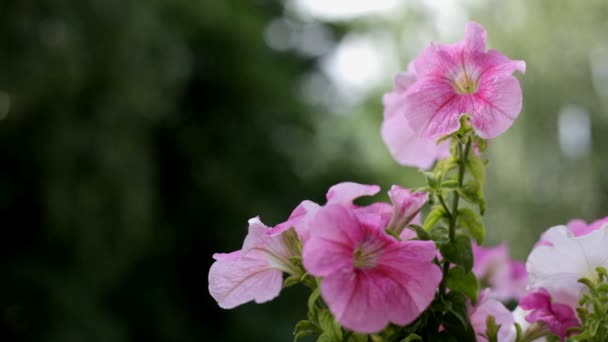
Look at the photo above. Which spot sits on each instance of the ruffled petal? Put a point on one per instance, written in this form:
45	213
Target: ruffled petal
433	108
235	282
475	37
495	106
405	145
345	193
356	300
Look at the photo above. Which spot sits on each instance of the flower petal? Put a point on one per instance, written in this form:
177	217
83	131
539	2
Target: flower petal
486	307
334	233
356	300
433	108
406	146
475	37
232	283
261	238
345	193
495	106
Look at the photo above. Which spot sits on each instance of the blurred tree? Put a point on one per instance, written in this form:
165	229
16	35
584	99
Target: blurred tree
140	139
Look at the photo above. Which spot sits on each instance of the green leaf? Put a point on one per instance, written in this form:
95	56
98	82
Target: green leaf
292	241
431	179
291	280
313	310
454	330
445	165
492	329
420	232
482	144
457	306
462	281
471	221
459	252
325	338
412	337
356	337
330	327
472	192
441	235
477	167
436	214
305	328
519	332
449	185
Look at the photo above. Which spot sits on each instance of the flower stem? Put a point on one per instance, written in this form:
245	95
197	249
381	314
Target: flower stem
463	155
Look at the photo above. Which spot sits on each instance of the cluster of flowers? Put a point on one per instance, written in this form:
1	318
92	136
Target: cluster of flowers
375	266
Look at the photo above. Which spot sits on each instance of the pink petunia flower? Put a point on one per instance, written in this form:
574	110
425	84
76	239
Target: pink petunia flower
494	267
459	78
578	227
405	145
487	306
342	193
558	317
406	206
369	278
256	271
554	269
558	267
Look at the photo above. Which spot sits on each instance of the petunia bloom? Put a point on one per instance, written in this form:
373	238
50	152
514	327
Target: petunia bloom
405	145
519	316
557	316
342	193
463	78
578	227
494	267
487	306
256	271
369	278
558	266
406	206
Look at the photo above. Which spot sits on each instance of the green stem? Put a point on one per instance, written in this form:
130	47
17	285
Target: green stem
463	155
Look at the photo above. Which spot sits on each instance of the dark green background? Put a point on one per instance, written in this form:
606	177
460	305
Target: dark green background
141	136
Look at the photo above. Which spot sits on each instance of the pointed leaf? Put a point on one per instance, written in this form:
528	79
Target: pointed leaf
462	281
436	214
471	221
459	252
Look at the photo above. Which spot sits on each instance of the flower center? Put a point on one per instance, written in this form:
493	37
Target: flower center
367	254
465	84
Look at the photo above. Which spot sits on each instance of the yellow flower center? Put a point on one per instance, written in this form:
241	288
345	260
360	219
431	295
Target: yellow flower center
465	84
367	254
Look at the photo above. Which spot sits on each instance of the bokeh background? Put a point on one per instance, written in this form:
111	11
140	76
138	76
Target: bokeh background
138	137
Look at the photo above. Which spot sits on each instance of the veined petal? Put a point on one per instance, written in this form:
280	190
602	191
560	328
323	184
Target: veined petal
324	257
356	300
299	219
261	238
475	37
495	65
235	282
433	107
345	193
232	256
406	204
436	60
495	106
405	145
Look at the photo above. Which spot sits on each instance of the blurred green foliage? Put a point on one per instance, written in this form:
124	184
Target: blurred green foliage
136	146
142	135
